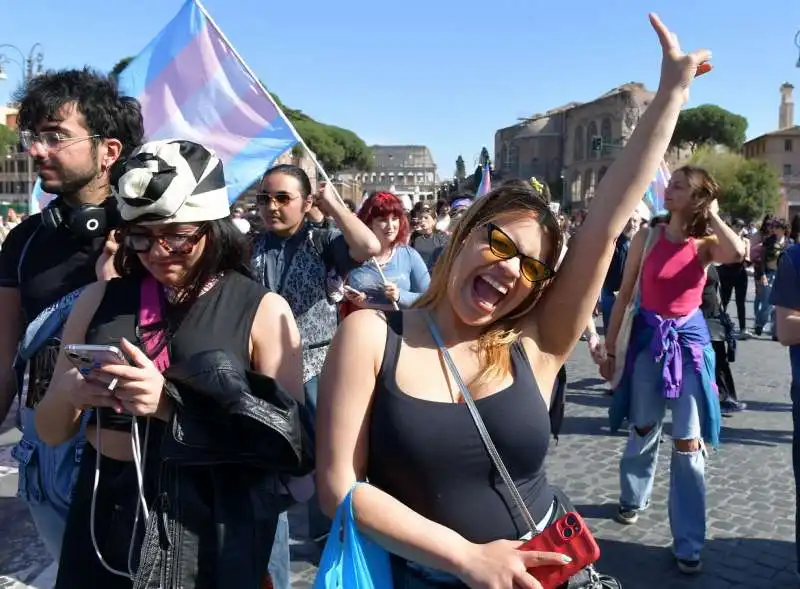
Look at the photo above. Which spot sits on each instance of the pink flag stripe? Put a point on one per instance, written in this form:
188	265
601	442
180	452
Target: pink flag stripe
228	133
189	72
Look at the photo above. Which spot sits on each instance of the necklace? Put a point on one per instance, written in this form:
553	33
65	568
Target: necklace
383	259
174	294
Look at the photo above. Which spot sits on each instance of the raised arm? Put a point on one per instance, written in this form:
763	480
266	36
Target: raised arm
565	308
725	246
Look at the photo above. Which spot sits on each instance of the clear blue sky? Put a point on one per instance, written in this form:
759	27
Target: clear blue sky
444	73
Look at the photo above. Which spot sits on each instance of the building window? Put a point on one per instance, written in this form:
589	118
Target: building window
787	145
577	154
605	133
601	173
787	169
575	188
591	133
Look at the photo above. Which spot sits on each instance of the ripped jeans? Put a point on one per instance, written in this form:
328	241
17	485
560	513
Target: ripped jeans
637	467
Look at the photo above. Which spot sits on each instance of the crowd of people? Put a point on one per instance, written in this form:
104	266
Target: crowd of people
245	362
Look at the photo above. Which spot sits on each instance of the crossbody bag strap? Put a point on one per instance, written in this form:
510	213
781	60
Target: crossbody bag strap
652	237
487	440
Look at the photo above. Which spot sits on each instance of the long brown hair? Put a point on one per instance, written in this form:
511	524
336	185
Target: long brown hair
495	342
704	191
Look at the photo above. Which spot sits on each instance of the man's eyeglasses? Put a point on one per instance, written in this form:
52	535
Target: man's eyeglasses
49	139
180	244
502	246
281	199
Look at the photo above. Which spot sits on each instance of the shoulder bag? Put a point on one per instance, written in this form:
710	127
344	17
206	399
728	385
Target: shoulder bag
626	326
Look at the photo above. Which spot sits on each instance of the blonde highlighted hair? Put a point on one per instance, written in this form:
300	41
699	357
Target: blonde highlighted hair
519	197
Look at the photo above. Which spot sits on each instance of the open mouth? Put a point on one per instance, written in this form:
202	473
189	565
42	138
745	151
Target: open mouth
488	292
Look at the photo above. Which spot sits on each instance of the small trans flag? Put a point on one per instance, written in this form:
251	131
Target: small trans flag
486	182
192	84
654	196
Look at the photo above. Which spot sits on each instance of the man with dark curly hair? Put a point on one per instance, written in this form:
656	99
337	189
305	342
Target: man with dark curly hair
76	126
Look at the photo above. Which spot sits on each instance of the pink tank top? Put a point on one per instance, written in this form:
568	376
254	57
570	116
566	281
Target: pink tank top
672	278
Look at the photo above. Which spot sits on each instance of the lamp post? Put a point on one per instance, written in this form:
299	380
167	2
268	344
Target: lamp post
29	66
797	44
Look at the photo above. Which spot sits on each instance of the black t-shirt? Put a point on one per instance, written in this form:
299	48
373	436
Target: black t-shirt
54	263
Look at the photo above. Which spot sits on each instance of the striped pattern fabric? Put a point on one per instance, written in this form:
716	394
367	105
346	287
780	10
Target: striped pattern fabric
193	85
654	197
486	182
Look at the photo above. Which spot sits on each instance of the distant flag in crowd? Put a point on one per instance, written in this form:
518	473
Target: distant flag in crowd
654	197
39	199
486	182
192	84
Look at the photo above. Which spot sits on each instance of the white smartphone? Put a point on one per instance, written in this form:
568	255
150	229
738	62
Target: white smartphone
88	358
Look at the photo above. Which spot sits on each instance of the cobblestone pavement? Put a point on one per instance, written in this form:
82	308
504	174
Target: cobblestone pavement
750	491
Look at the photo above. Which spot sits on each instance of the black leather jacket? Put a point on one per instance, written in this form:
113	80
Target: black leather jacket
233	439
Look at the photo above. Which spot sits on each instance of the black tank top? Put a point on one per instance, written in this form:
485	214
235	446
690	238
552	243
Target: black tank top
430	457
221	319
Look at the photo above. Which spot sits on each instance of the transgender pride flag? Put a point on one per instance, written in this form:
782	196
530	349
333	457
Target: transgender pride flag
192	84
654	197
485	186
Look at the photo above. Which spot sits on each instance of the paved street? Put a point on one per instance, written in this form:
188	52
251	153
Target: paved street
750	496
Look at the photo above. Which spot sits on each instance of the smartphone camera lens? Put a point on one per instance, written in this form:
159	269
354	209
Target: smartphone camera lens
568	533
571	520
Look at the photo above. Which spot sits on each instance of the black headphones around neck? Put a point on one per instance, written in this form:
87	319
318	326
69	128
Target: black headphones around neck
85	221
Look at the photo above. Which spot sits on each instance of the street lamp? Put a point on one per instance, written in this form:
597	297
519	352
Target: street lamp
30	66
797	44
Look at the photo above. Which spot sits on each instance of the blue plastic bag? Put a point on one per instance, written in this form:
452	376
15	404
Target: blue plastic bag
351	560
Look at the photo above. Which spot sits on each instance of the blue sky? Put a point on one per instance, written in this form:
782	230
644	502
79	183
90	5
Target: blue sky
444	73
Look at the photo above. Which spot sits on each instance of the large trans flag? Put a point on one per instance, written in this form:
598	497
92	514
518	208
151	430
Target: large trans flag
192	84
654	197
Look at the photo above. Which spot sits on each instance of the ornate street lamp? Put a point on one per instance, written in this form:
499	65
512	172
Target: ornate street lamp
30	66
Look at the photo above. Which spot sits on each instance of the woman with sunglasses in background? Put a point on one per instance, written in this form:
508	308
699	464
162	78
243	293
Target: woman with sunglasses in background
305	265
178	239
504	323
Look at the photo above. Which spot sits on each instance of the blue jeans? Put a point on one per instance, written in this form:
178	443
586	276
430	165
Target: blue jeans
637	468
47	477
607	300
765	313
318	522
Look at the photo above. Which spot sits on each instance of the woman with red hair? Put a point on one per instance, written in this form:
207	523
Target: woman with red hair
397	276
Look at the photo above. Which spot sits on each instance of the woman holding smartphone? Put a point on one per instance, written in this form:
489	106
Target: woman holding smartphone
177	231
509	322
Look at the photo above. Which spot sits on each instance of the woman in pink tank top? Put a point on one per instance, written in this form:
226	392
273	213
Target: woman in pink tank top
668	359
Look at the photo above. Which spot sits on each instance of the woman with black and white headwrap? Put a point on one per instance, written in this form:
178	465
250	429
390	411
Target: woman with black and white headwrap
183	305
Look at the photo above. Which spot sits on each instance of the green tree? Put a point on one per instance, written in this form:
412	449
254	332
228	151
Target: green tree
485	159
461	168
749	188
8	139
709	124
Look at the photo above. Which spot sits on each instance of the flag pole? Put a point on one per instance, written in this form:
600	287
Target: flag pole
280	112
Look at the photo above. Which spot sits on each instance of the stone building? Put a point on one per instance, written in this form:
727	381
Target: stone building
573	144
781	149
405	170
17	173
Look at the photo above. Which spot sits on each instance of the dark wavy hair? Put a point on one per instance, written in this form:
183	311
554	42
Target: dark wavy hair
295	172
106	113
226	250
385	204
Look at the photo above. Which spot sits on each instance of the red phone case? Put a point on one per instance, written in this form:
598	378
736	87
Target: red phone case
568	535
